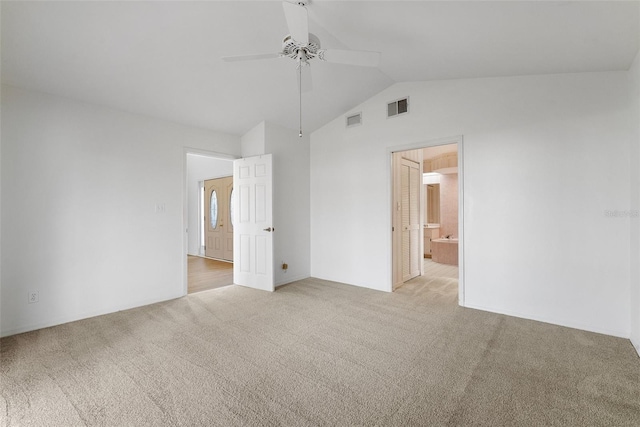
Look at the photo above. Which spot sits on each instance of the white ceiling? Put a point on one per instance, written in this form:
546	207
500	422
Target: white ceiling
163	58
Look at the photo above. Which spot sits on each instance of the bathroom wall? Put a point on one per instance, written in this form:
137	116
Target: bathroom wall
449	205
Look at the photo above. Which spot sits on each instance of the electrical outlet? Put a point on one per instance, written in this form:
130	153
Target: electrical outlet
161	208
284	265
33	297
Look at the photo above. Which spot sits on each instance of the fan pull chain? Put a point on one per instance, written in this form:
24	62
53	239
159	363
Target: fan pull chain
300	93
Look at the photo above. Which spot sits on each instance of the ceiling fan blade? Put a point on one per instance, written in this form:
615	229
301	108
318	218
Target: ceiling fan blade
350	57
251	57
297	22
307	83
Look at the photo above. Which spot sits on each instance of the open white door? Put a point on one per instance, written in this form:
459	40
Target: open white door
253	231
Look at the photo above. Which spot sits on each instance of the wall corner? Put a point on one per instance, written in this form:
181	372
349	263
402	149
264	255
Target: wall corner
253	143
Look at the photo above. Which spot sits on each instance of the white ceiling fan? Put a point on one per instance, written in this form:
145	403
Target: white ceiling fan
302	46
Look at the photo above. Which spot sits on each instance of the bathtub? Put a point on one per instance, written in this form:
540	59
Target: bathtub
444	251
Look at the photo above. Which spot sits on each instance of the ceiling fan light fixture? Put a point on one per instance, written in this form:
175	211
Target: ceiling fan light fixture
292	49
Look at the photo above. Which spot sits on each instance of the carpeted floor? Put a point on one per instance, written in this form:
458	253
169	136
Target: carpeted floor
317	353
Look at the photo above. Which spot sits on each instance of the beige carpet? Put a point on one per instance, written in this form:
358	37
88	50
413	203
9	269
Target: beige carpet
317	353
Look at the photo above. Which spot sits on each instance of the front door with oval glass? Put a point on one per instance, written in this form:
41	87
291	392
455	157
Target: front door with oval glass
218	224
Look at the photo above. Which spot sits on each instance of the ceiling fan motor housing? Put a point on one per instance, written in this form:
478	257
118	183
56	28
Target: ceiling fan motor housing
292	48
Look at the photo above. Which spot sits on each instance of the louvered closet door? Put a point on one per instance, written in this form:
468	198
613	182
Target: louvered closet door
410	218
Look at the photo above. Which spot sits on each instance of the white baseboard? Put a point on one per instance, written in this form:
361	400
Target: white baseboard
552	321
81	316
291	279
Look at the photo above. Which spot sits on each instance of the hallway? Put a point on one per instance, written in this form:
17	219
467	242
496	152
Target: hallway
206	273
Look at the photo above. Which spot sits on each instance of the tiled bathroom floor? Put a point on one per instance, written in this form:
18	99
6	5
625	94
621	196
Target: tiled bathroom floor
434	269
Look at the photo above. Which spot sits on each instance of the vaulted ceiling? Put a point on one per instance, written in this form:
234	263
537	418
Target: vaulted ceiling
162	59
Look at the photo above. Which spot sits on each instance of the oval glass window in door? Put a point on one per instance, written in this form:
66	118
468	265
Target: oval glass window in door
214	210
231	199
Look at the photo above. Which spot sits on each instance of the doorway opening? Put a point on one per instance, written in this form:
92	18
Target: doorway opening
209	228
427	238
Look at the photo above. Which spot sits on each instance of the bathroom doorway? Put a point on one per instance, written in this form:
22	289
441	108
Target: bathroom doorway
438	204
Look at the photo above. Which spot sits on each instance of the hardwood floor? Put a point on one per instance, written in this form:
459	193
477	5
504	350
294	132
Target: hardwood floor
205	274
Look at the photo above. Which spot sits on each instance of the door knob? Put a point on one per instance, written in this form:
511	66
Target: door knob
269	229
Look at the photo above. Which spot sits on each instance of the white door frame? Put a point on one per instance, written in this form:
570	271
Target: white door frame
185	205
458	139
201	208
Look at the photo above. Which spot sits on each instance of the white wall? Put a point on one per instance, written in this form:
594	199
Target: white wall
0	196
544	158
290	196
200	168
634	77
80	188
253	142
291	214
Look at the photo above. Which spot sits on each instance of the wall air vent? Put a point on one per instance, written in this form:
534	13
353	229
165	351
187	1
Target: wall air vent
354	120
400	106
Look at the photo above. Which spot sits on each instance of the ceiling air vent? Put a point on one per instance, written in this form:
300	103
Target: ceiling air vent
400	106
354	120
